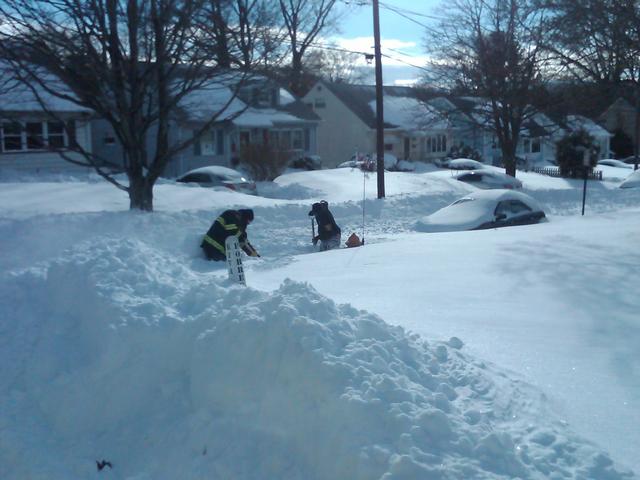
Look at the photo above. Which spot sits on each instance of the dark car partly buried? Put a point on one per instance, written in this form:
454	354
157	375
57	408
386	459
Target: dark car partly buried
219	176
484	209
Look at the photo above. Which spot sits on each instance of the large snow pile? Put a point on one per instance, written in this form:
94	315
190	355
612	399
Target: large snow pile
117	351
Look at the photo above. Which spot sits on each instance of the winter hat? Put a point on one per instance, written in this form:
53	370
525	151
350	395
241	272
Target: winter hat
318	207
314	208
246	214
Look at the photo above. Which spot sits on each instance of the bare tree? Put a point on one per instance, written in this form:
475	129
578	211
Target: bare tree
491	49
304	21
243	32
594	40
132	62
334	65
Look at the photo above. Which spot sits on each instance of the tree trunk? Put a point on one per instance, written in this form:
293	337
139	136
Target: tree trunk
140	193
509	157
296	73
510	166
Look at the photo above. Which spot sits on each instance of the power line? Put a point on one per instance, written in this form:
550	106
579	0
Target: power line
403	12
369	55
410	12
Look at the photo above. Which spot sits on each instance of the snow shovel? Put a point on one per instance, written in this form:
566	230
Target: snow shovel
313	231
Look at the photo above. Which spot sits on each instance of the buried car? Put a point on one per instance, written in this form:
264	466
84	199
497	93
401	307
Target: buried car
465	164
219	176
611	162
485	178
484	209
632	181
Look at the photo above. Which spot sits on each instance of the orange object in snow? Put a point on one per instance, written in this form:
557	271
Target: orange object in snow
353	241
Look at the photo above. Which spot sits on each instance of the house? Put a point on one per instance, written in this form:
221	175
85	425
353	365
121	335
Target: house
424	126
35	139
621	115
601	136
348	122
262	113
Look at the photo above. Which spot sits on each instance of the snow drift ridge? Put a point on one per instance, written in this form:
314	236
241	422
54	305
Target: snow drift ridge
145	363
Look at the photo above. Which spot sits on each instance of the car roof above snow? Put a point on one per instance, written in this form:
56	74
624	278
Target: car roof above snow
499	195
215	170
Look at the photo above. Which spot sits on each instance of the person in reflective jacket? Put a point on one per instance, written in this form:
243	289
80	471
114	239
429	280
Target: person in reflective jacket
230	222
328	230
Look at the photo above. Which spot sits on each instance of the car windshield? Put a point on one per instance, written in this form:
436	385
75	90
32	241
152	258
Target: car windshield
470	177
236	176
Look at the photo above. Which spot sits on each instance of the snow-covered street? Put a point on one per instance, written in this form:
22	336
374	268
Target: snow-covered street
486	354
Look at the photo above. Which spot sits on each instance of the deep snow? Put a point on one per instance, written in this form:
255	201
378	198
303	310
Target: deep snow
497	354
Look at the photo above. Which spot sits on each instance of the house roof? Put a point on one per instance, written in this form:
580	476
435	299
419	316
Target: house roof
198	105
201	104
576	122
620	104
360	99
17	98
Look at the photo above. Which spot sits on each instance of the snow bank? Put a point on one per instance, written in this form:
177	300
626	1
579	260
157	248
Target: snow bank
117	351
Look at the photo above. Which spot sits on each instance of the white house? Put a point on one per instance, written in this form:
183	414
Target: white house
348	122
424	126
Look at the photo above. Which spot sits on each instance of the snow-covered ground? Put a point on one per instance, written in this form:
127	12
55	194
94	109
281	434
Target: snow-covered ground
508	353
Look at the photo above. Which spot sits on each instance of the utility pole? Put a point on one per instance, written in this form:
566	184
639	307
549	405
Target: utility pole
637	127
379	109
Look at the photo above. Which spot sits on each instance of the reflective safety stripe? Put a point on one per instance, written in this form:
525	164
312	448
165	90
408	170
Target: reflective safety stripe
212	242
230	226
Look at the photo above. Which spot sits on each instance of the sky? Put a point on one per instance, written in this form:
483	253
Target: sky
486	354
402	36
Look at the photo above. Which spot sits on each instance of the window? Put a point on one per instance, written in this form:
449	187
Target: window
320	103
11	137
220	144
196	178
388	147
307	139
287	139
535	145
436	144
470	177
207	143
511	208
296	139
34	136
531	145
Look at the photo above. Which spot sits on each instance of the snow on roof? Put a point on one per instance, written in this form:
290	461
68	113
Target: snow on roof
286	97
577	122
408	113
201	104
264	118
15	96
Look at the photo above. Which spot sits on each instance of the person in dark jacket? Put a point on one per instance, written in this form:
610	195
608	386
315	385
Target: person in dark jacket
328	230
230	222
